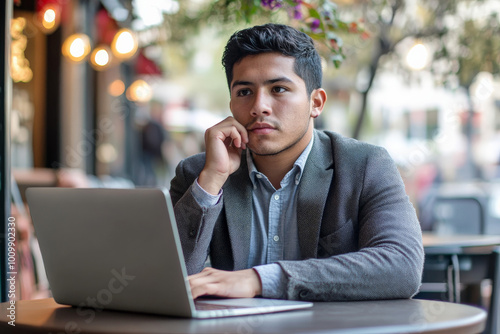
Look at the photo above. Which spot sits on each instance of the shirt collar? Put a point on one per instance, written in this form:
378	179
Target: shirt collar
299	163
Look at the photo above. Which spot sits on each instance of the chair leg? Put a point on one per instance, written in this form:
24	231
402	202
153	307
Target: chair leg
456	277
493	323
453	279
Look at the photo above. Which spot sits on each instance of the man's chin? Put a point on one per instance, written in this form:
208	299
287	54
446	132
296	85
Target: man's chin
262	151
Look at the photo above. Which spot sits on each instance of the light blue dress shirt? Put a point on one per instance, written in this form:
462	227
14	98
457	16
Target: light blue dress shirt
274	222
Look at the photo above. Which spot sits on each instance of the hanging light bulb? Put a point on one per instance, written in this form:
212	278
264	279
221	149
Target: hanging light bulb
116	88
49	17
124	44
76	47
100	58
139	91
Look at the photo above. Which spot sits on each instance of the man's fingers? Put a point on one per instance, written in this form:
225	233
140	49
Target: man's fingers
229	127
240	138
234	138
204	283
211	289
242	283
205	272
231	133
221	158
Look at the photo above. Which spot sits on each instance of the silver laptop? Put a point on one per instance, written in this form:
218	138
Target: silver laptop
119	249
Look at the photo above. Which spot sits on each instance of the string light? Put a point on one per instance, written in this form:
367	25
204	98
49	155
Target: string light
76	47
100	57
50	17
116	88
124	44
20	69
139	91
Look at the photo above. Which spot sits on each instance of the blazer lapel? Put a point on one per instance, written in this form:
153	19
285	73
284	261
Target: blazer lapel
238	209
312	195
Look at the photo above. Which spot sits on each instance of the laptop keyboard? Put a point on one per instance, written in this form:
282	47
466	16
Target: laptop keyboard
209	307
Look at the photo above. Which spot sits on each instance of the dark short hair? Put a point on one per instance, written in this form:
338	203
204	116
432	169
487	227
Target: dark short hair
275	38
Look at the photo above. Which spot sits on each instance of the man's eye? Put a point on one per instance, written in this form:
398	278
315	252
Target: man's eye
243	92
279	90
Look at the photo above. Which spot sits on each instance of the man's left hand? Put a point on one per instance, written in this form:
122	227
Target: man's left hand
231	284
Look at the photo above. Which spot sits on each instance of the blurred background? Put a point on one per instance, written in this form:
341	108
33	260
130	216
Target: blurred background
114	93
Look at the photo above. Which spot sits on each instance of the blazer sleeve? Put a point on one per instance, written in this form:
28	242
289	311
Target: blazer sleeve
389	257
194	223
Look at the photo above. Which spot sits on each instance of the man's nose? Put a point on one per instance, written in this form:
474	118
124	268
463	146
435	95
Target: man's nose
261	104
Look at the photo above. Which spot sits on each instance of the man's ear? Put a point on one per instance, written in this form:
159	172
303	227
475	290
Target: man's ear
318	100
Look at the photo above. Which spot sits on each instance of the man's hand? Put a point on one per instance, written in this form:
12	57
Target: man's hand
214	282
224	143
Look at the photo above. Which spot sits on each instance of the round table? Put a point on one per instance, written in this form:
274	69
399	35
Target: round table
385	316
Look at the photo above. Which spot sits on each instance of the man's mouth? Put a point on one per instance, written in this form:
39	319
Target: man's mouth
261	128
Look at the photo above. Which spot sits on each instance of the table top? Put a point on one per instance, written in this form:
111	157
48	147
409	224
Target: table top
385	316
457	243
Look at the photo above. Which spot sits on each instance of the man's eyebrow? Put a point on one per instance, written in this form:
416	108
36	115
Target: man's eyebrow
280	79
241	83
267	82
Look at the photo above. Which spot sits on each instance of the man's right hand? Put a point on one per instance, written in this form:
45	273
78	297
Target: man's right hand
224	143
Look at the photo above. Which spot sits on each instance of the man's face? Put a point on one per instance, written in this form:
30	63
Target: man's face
270	100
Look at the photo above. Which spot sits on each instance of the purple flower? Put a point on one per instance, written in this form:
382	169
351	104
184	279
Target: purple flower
297	13
271	4
314	24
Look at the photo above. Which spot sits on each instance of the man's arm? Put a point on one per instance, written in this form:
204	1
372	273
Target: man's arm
389	260
200	177
195	225
195	222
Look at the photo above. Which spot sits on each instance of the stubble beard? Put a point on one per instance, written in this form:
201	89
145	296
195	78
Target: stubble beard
287	147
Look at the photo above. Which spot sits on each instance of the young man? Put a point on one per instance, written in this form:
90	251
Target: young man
283	210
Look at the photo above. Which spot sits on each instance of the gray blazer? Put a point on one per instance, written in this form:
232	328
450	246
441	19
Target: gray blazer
359	236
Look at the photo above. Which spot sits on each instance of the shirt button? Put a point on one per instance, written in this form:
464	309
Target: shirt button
276	197
276	238
259	176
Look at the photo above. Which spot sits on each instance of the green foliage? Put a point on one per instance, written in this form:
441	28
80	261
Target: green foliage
480	49
317	18
470	45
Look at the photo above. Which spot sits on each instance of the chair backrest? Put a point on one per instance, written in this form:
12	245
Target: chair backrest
458	215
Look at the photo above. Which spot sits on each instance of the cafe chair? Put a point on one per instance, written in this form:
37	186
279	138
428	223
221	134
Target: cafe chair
456	274
458	215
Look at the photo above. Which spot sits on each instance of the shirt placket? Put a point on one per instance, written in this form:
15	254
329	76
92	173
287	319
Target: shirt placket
274	236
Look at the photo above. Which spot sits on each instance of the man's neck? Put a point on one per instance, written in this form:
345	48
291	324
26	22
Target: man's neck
274	167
